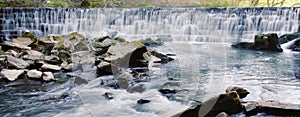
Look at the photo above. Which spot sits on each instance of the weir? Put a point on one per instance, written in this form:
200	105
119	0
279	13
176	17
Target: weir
178	24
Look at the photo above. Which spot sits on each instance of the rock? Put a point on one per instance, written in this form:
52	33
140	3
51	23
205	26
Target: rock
35	74
85	59
33	55
14	62
152	43
222	114
138	88
12	53
44	44
124	80
241	91
3	62
167	91
279	108
268	42
288	37
243	45
29	35
251	108
7	45
163	58
11	75
75	36
80	81
52	60
23	41
295	46
48	76
108	96
46	67
143	101
127	54
229	103
104	68
110	33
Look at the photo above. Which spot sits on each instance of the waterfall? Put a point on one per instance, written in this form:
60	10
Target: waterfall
179	24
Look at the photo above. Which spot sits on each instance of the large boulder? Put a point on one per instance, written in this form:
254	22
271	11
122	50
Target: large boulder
229	103
268	42
17	63
127	54
11	75
295	46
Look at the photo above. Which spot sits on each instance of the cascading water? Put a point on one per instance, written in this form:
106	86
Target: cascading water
184	24
201	70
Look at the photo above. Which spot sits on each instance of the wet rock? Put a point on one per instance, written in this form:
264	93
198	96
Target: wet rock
167	91
267	42
124	80
241	91
49	67
279	108
288	37
152	43
80	81
104	68
44	44
48	76
14	62
127	54
75	36
163	58
295	46
138	88
34	74
222	114
251	108
229	103
108	96
6	45
143	101
85	59
11	75
33	55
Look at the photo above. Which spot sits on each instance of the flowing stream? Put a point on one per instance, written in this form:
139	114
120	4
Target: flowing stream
205	64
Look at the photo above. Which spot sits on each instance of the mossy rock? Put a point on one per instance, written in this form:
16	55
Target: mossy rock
76	35
29	35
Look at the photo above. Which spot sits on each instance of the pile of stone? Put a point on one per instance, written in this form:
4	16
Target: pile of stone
38	58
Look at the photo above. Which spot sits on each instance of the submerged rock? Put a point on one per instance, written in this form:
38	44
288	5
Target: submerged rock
35	74
267	42
108	96
11	75
241	91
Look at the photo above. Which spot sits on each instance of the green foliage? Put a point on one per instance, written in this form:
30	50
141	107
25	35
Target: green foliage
58	4
2	5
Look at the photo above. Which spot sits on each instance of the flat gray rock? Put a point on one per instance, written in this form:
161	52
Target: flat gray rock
11	75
